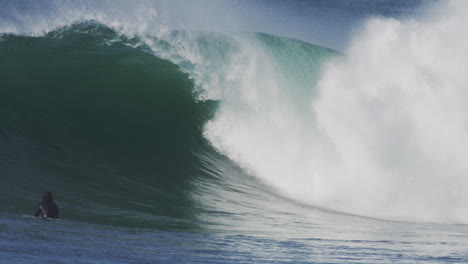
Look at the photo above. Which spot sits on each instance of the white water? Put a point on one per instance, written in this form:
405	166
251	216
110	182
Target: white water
396	111
386	137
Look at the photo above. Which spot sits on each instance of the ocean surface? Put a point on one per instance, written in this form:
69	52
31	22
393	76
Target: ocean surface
293	131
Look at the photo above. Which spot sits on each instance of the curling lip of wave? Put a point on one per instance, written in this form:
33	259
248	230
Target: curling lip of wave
118	121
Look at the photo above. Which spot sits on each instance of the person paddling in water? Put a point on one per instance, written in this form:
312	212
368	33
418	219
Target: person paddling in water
47	208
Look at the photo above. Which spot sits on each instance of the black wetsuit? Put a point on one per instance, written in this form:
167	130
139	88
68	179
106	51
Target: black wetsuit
47	210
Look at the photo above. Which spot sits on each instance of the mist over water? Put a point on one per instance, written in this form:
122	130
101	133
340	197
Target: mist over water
395	110
329	23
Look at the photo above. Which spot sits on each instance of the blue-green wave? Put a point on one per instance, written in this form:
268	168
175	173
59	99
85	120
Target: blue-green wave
109	124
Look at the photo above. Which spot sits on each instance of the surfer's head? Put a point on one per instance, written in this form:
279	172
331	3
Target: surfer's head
46	196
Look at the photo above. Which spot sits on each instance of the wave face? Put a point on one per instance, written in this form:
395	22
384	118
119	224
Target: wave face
137	120
108	127
115	124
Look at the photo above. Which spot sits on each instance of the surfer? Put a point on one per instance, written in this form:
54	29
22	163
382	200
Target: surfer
47	208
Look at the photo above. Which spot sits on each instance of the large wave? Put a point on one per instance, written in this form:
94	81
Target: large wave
114	123
376	132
